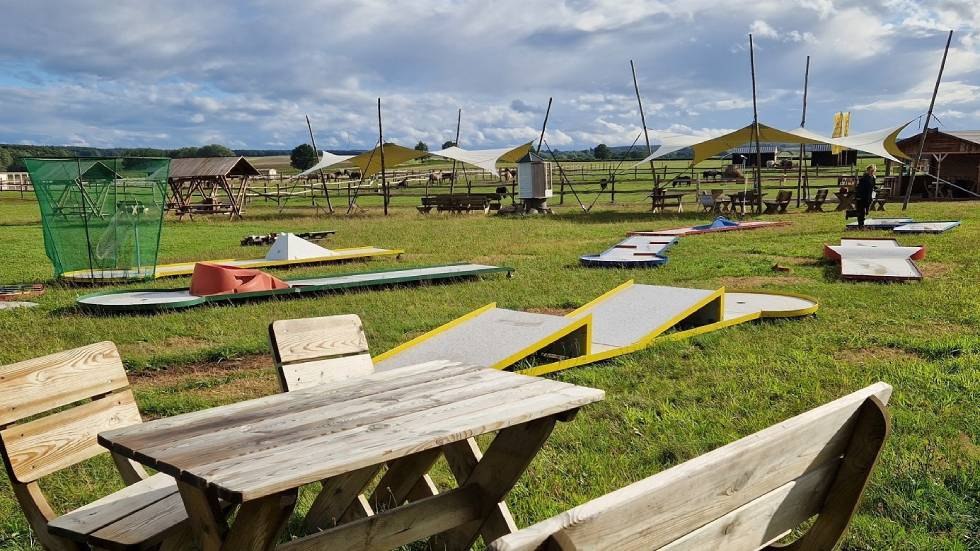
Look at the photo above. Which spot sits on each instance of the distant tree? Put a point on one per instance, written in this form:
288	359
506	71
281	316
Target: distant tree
421	146
601	152
6	159
303	157
447	145
215	150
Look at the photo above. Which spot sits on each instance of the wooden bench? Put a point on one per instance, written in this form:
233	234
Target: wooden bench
661	200
146	513
816	204
459	203
328	350
745	495
779	205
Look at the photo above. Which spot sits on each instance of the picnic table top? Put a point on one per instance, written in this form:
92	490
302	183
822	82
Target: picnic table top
261	447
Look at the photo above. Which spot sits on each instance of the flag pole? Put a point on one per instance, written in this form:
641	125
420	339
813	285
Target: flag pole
925	128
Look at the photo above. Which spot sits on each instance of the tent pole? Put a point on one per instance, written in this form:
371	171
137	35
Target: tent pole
381	142
323	181
643	121
925	127
806	84
757	201
544	125
452	183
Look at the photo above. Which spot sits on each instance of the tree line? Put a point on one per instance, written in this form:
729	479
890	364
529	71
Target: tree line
11	154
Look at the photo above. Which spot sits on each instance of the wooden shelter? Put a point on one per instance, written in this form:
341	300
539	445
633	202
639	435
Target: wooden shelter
747	154
949	155
823	155
206	185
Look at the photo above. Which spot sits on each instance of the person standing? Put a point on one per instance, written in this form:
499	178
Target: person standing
864	194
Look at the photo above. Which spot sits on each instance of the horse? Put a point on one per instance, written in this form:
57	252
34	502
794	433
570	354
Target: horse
680	180
710	174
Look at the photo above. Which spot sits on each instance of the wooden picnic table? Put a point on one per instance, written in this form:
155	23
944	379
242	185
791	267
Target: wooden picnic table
258	453
845	200
660	201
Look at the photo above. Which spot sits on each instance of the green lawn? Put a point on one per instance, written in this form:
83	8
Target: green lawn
663	406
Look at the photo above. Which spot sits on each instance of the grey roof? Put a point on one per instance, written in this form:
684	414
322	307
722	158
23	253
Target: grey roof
965	135
211	166
750	149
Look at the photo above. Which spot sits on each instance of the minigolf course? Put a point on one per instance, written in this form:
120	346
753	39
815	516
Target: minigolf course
287	250
638	251
876	260
720	224
625	319
256	285
906	225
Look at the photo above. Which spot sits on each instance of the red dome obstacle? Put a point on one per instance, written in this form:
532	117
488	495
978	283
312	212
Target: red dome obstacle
216	279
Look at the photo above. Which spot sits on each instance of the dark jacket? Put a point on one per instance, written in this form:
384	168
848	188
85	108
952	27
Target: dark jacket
865	187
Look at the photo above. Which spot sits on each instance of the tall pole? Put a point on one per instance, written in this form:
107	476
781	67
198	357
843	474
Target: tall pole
925	128
544	125
806	85
757	202
459	117
643	121
323	181
381	144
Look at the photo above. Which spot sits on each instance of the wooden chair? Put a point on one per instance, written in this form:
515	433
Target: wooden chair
321	351
780	204
746	495
145	514
816	204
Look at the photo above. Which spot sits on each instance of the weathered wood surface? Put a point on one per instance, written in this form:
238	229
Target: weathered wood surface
667	507
262	447
301	340
42	384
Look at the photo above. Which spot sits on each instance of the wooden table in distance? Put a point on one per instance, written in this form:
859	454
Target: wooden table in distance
257	454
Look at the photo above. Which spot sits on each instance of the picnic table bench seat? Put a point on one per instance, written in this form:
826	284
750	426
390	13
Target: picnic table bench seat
146	513
816	203
779	205
743	496
458	203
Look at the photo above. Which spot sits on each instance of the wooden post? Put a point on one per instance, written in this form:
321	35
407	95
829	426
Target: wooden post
755	132
452	183
643	121
925	127
799	181
323	181
381	145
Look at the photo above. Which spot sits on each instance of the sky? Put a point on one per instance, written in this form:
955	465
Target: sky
245	73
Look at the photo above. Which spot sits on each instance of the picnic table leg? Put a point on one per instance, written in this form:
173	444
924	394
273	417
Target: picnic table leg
508	456
338	495
402	476
259	523
204	515
462	458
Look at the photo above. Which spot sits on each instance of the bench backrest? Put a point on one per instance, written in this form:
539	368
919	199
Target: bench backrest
741	496
46	444
315	351
784	196
822	194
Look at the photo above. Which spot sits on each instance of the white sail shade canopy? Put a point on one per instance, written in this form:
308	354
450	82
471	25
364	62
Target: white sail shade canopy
485	159
327	160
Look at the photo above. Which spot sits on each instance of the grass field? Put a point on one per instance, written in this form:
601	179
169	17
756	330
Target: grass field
663	406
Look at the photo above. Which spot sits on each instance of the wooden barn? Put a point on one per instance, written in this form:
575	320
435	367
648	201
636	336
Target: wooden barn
746	155
209	185
822	155
950	155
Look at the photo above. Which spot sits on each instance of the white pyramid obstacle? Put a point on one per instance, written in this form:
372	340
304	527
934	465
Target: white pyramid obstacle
289	247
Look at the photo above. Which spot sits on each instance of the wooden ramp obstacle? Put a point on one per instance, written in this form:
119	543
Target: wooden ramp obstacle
876	260
170	299
625	319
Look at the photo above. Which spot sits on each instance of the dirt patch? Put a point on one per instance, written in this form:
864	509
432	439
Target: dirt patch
878	353
794	260
176	375
935	269
550	311
752	282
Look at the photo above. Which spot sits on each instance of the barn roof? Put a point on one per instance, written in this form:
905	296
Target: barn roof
197	167
965	135
750	149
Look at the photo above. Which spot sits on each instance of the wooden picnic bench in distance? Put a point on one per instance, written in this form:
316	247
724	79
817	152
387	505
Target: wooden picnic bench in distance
327	350
258	453
742	496
660	200
146	513
816	204
459	203
778	206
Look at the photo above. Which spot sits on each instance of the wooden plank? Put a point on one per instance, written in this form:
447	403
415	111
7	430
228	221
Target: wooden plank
107	510
298	376
462	457
46	445
206	519
336	495
506	459
692	494
399	526
208	421
270	470
313	338
144	527
400	478
42	384
259	523
237	441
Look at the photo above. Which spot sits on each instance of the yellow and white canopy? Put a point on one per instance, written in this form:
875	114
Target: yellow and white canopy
484	158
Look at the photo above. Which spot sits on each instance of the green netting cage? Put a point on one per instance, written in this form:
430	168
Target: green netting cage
102	217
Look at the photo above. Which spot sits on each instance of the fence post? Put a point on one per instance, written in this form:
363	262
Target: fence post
612	198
